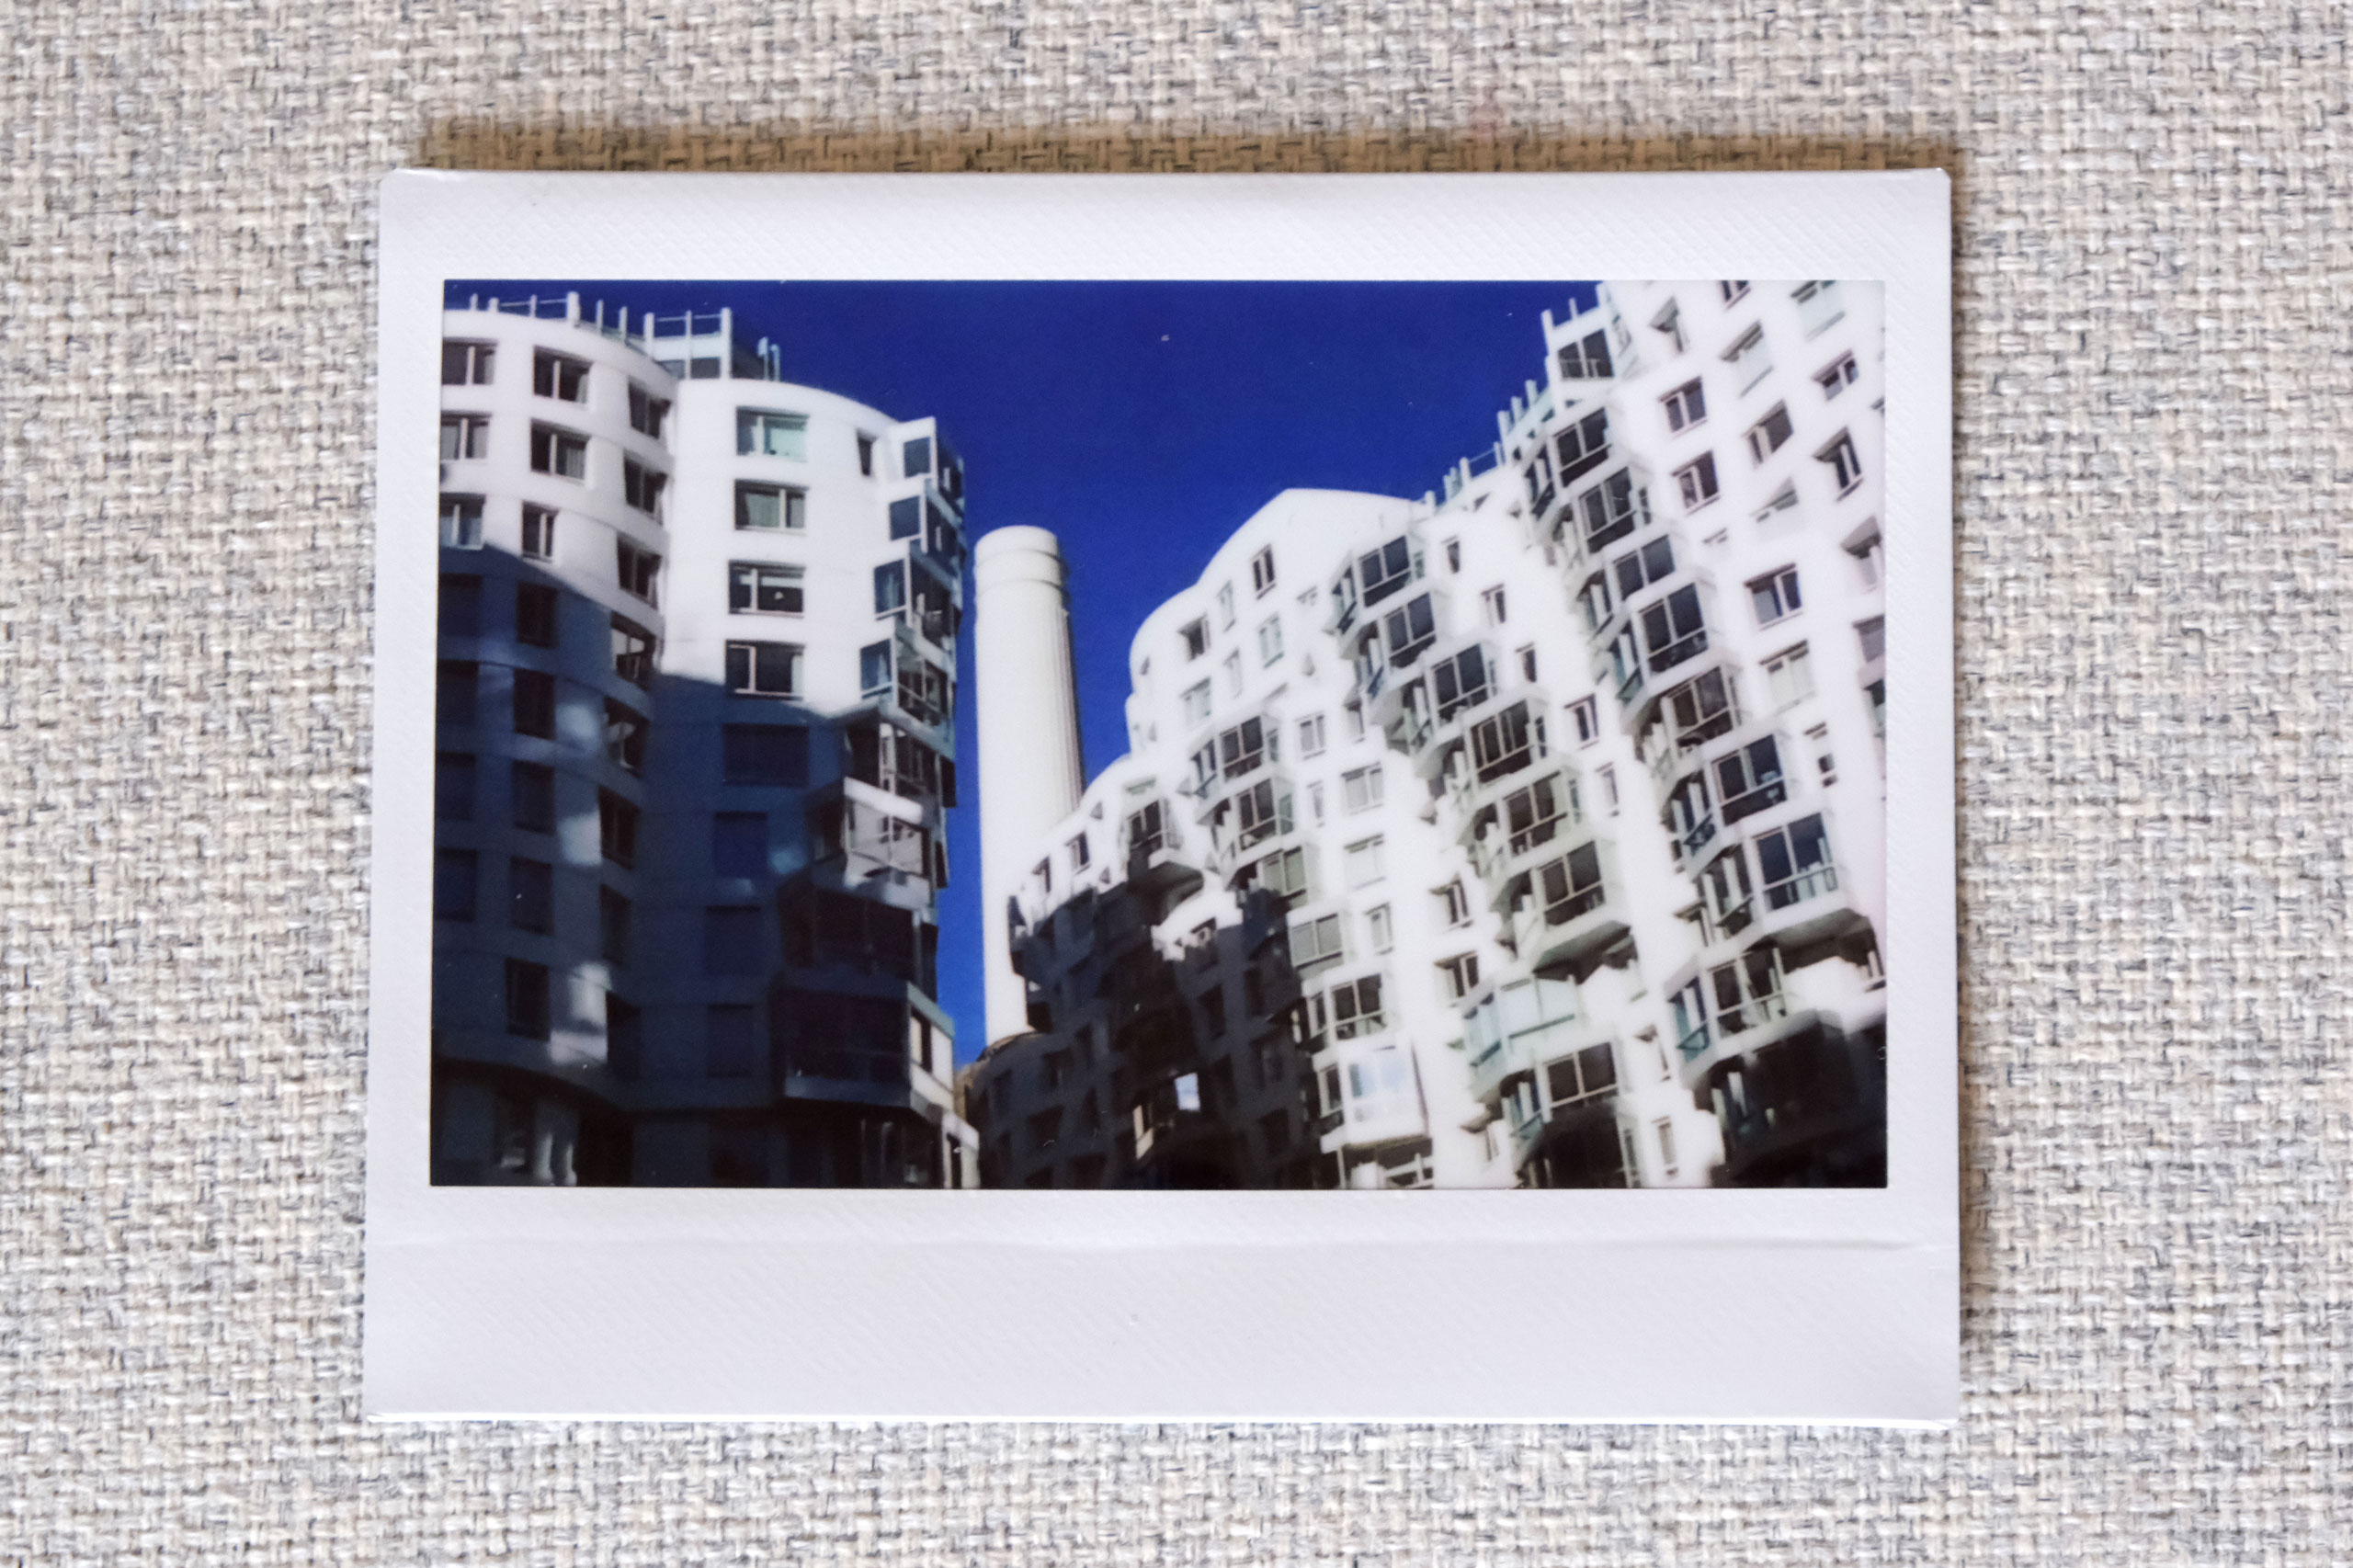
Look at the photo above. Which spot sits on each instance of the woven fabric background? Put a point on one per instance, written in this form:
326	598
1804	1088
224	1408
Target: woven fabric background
2154	209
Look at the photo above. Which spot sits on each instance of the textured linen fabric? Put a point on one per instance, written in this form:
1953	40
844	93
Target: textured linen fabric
2155	277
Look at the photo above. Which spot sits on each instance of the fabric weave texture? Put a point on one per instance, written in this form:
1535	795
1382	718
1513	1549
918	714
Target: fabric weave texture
2155	277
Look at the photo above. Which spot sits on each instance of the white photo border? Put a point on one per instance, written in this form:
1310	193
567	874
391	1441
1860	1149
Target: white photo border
1711	1305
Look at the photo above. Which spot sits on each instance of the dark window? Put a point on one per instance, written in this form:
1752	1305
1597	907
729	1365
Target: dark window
563	453
624	1037
535	615
906	517
1585	360
889	587
1674	629
646	411
763	669
754	588
918	456
739	844
467	364
453	787
731	1041
767	754
1385	571
560	376
460	605
730	940
454	686
642	486
617	828
768	507
530	796
637	570
874	667
612	926
527	999
866	455
633	652
624	736
530	895
535	704
454	877
538	531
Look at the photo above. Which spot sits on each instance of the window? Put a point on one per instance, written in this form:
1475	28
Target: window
1732	291
739	844
535	615
1261	814
453	787
530	796
563	453
1233	674
1270	641
1674	629
1262	572
1196	703
1845	463
1789	677
1588	1075
633	652
875	668
906	517
1585	360
1666	1131
1409	628
1378	925
890	588
1361	787
1458	976
455	684
1352	721
1453	904
1315	802
865	454
1796	863
1081	856
467	364
464	435
462	522
1870	562
730	1046
637	570
1876	692
1685	406
776	755
1783	499
539	532
1570	887
1283	874
1583	445
1491	602
1586	720
769	508
559	376
530	895
642	486
1225	605
1638	569
1872	635
646	411
1775	597
1608	777
1696	481
1385	571
534	706
759	588
1242	748
1836	376
616	828
1454	555
1749	359
1533	815
1669	322
1768	433
454	877
1613	509
1354	1008
731	939
1504	742
1196	635
624	737
916	456
1315	941
1214	1013
527	999
1748	780
1363	860
761	432
1825	765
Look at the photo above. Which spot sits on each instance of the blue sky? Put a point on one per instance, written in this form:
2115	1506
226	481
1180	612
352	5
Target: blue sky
1142	422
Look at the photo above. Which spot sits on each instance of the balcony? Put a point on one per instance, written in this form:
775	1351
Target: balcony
1514	1027
1810	1109
1562	915
869	840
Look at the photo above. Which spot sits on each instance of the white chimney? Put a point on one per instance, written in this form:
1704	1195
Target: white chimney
1031	768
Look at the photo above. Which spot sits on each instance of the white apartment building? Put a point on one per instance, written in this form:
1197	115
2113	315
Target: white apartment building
1528	835
695	742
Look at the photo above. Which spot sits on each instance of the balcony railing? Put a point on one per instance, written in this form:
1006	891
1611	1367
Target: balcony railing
1811	882
1770	793
1754	1013
1576	905
1681	649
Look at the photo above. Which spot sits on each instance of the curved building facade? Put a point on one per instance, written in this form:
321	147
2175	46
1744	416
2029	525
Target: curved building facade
695	740
1529	834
